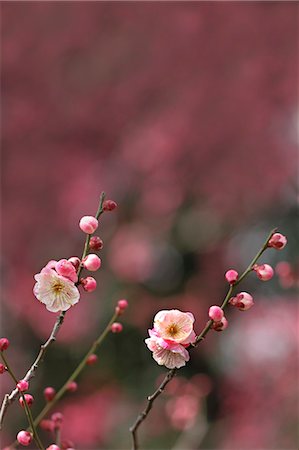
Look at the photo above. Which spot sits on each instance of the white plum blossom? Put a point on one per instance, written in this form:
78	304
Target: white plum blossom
55	291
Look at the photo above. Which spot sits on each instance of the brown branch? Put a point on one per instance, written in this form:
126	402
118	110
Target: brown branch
9	398
150	399
170	374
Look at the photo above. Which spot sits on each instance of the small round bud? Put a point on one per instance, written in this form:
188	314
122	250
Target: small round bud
277	241
89	284
95	243
75	261
92	359
116	327
109	205
92	262
49	393
47	425
66	269
2	368
243	301
28	398
24	438
66	444
57	419
264	272
231	276
88	224
53	447
72	386
4	343
122	304
220	326
216	313
23	385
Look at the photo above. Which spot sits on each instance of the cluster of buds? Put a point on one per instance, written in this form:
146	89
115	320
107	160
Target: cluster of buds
53	425
4	344
216	314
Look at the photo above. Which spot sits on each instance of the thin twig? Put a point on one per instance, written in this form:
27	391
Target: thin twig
9	398
170	374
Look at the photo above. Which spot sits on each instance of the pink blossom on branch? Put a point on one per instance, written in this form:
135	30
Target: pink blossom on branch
55	291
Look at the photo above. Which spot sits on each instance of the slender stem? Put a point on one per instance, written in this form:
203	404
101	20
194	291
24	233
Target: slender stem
170	374
76	372
9	398
26	407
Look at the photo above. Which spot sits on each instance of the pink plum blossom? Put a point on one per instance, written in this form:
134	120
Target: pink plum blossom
243	301
277	241
175	326
24	438
55	291
264	272
88	224
216	313
231	276
170	355
92	262
66	269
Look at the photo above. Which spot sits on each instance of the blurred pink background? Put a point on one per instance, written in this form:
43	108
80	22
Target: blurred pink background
186	114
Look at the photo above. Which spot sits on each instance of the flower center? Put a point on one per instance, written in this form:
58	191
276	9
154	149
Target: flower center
172	329
57	287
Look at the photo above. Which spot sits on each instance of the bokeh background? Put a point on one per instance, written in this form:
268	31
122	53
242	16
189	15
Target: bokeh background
185	114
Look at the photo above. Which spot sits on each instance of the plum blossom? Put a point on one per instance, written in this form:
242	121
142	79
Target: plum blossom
172	332
55	291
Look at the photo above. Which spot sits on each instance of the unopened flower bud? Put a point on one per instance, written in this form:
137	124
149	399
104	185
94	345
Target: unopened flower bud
88	224
57	419
92	262
216	313
24	438
49	393
220	326
109	205
243	301
277	241
66	269
4	343
231	276
53	447
28	398
264	272
2	368
89	284
116	327
122	304
75	261
66	444
47	425
72	386
92	359
23	385
95	243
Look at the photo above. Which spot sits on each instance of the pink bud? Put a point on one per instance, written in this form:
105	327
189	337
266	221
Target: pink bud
216	313
88	224
49	393
66	269
4	343
220	326
75	261
277	241
116	327
23	385
53	447
231	276
243	301
95	243
264	272
66	444
109	205
28	398
47	425
51	264
92	262
24	438
72	386
2	369
57	419
122	304
89	284
92	359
